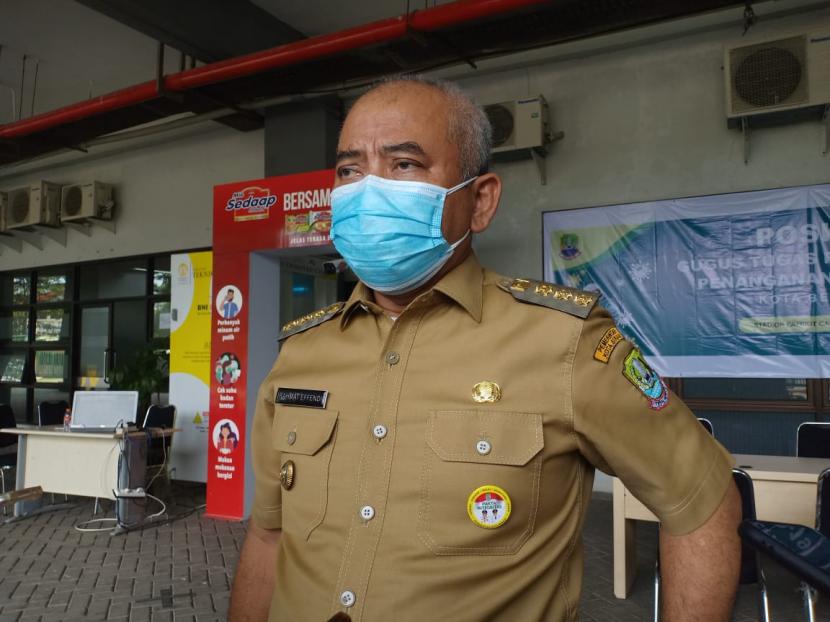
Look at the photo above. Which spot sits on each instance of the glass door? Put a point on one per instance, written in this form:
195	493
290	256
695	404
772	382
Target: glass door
95	358
111	335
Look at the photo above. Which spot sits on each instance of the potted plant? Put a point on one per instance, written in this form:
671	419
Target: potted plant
147	372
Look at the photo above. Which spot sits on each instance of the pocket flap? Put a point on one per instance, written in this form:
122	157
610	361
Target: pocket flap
299	430
514	438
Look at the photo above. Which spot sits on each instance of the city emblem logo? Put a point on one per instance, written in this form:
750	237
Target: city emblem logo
637	371
569	246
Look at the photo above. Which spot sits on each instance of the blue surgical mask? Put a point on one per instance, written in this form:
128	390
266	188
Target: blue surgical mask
389	231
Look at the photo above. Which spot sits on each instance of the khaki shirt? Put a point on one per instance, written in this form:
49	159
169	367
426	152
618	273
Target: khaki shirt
421	556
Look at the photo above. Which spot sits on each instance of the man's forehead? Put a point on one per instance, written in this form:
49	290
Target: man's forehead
395	115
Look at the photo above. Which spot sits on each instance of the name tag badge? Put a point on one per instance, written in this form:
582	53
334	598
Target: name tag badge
302	397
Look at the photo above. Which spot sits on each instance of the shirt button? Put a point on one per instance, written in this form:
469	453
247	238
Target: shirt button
367	512
379	431
292	438
483	447
347	598
392	358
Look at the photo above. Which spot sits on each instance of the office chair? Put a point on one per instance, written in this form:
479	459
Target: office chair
751	571
823	527
158	452
813	440
51	413
8	446
707	425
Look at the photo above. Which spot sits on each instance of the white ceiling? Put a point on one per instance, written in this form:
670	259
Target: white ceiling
77	51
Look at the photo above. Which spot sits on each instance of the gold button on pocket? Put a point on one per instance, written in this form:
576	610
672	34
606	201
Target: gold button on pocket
454	467
305	439
287	475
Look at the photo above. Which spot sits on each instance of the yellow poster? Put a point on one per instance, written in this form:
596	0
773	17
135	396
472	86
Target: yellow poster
190	307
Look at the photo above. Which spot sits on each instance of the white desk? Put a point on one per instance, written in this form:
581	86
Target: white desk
785	491
79	463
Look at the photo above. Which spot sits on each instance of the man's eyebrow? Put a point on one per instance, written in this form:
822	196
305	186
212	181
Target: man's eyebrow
347	154
405	147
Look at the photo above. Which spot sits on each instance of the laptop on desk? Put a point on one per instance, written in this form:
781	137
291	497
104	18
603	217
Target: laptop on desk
103	412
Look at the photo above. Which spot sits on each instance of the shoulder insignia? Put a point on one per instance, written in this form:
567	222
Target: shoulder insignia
310	320
566	299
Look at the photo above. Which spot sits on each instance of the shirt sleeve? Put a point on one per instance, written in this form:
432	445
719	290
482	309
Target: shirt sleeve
630	425
267	509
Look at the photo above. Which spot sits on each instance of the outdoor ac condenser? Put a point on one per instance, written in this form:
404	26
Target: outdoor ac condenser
519	124
38	204
778	75
91	200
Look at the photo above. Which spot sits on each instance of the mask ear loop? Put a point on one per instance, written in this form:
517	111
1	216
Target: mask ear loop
461	185
455	188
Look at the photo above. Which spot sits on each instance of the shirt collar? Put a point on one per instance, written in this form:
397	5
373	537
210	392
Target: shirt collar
463	284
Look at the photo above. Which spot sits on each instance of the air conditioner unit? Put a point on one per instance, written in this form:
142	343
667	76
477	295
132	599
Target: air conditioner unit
81	201
777	75
519	124
38	204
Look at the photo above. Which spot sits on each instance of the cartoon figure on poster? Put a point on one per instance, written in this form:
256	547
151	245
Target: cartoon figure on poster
227	369
225	436
228	302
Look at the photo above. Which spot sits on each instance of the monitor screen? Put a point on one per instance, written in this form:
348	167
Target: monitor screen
104	408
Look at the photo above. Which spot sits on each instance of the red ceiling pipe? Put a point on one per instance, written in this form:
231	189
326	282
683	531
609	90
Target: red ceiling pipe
292	53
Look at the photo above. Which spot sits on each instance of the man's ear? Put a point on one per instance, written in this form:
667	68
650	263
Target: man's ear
487	189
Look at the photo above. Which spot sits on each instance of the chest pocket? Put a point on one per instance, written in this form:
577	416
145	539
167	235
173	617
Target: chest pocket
305	436
466	450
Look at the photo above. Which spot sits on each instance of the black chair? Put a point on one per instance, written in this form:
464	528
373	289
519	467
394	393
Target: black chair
751	571
707	425
158	453
8	446
813	440
823	527
51	413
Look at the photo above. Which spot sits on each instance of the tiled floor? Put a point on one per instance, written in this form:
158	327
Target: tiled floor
182	570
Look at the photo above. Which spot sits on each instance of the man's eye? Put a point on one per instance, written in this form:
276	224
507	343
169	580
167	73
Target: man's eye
406	165
345	172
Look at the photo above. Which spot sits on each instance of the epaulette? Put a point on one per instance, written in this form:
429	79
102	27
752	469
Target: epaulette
567	299
310	320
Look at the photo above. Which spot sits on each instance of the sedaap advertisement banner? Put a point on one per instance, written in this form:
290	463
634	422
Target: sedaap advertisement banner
732	285
291	211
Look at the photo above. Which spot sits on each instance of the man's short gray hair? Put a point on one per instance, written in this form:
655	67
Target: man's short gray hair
469	127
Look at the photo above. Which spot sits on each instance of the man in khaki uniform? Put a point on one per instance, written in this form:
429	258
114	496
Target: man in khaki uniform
428	454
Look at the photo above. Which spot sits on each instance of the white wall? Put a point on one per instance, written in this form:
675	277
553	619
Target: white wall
647	122
164	195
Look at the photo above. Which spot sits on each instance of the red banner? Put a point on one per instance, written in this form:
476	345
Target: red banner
292	211
279	212
229	355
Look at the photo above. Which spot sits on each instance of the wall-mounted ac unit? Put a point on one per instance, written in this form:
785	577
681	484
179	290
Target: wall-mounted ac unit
519	124
81	201
38	204
777	75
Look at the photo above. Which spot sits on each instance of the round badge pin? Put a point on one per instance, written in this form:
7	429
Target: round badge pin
488	506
